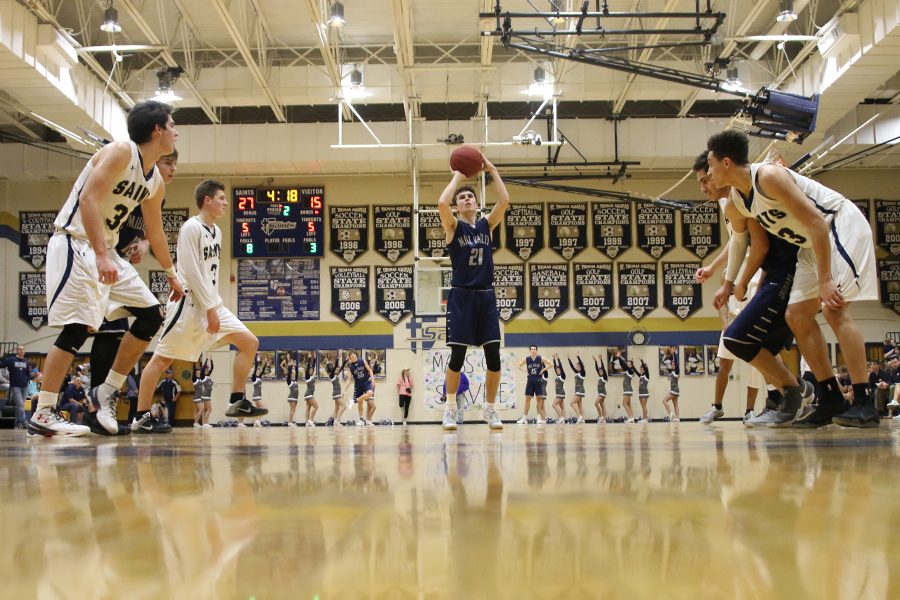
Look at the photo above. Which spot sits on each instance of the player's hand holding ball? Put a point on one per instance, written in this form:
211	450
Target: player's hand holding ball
468	160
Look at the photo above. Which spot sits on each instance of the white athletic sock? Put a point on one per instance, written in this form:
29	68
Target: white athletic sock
451	401
47	400
115	380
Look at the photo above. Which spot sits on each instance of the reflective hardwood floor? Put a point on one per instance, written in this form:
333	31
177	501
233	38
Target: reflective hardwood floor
576	511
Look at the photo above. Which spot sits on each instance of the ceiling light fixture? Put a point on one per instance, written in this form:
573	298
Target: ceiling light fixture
786	14
110	19
166	76
336	14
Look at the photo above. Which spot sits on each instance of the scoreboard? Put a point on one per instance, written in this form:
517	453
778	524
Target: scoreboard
273	222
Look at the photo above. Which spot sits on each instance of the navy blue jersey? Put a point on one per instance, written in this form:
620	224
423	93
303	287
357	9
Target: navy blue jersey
19	371
359	372
471	255
534	366
781	259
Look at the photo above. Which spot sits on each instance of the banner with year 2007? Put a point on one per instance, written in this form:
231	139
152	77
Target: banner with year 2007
637	288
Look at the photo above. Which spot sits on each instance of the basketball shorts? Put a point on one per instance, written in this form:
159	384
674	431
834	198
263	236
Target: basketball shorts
360	389
853	265
472	318
74	291
184	335
532	388
761	324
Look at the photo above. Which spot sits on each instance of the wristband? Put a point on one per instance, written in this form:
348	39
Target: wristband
170	272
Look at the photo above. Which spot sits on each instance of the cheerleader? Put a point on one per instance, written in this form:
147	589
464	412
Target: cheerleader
293	390
310	395
602	378
334	376
577	403
559	401
256	381
197	379
628	372
208	367
673	394
644	389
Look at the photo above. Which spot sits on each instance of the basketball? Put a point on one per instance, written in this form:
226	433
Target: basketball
467	160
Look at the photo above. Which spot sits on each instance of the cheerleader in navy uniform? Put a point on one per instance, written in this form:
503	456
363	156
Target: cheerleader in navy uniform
578	401
293	390
644	389
309	378
559	401
673	394
602	379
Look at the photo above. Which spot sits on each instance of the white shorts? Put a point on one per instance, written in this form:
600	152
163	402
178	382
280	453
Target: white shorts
724	352
184	335
852	261
74	291
756	379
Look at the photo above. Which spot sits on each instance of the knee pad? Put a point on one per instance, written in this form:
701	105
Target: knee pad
746	351
72	337
457	357
492	356
147	322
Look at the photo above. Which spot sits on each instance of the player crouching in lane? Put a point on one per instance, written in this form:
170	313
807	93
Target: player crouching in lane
199	321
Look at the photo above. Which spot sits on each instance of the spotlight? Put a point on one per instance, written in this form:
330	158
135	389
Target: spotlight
336	14
356	78
539	75
165	77
786	13
110	19
732	78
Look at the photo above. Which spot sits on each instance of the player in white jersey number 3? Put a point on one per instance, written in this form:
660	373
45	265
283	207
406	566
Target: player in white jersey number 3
199	321
86	278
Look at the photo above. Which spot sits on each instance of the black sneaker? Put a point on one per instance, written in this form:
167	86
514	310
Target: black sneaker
90	419
245	408
861	414
149	424
821	415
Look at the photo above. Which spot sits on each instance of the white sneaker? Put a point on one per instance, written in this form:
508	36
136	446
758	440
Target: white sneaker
291	424
674	420
370	423
540	421
601	420
242	424
580	420
48	422
197	425
310	423
523	420
897	417
257	424
492	418
361	423
711	415
449	420
108	401
629	420
206	426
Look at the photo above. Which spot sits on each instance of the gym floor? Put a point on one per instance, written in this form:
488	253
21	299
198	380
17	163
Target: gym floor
662	510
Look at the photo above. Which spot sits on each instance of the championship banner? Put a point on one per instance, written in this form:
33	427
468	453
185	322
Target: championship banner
35	229
172	220
656	228
889	283
394	292
435	368
349	231
637	288
549	289
700	230
509	288
612	227
568	228
393	231
159	286
350	292
525	229
887	225
33	299
682	295
432	238
593	289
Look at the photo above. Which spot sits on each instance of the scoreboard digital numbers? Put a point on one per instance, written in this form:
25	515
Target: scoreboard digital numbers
278	222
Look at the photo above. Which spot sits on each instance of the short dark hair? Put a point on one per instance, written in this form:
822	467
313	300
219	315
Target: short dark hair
701	163
172	156
144	117
465	188
732	144
207	187
532	346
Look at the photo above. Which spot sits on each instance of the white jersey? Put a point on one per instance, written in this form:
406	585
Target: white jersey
728	228
199	247
780	223
131	188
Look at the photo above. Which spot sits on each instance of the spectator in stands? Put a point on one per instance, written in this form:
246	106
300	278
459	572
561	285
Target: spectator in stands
74	401
842	375
170	390
19	376
892	378
890	349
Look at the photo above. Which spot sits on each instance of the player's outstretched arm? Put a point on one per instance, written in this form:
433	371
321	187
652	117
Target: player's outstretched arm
759	248
499	211
445	209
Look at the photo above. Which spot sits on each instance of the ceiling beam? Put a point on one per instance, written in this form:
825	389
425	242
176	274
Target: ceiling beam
330	53
405	53
487	56
234	31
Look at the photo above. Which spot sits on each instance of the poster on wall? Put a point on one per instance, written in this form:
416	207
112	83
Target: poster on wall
474	369
159	286
377	359
509	289
700	229
394	292
173	219
278	289
694	363
593	289
637	288
568	228
655	228
350	292
887	225
35	229
682	295
889	283
393	231
616	360
349	227
525	229
33	299
668	360
432	238
612	227
264	364
712	359
549	289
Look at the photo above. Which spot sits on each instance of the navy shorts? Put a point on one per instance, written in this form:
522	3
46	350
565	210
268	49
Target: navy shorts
472	318
361	388
533	388
761	323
